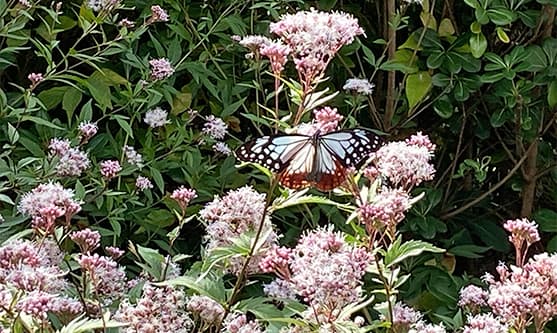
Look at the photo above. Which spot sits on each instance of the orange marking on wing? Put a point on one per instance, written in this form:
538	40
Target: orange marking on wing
294	181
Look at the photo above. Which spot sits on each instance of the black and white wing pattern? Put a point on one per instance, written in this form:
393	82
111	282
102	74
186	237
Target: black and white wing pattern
321	161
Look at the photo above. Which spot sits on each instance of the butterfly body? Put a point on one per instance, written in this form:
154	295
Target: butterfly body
318	160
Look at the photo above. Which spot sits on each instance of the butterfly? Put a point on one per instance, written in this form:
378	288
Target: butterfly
318	160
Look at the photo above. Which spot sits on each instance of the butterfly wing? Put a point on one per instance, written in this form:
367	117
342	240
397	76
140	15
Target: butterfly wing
351	147
319	161
273	152
339	151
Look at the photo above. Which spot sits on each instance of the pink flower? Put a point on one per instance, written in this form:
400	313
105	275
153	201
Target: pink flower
160	309
58	147
254	42
183	196
222	148
35	79
132	156
327	119
323	269
156	117
240	211
359	86
158	14
107	278
47	202
472	297
215	127
160	69
404	317
87	130
522	231
114	252
110	168
387	209
86	239
405	164
315	37
277	52
126	23
143	183
72	163
484	323
239	323
206	309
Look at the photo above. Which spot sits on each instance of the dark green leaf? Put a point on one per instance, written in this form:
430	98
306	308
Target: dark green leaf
546	219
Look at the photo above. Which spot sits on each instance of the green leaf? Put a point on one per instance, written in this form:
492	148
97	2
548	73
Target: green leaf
72	98
498	118
552	245
123	122
157	178
417	87
552	94
446	28
478	45
99	90
41	121
13	135
501	16
399	251
52	97
443	107
369	57
502	35
153	261
468	251
546	219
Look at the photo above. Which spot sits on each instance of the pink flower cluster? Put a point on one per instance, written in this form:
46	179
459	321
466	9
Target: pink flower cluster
72	161
525	293
523	233
472	298
386	209
404	317
156	117
143	183
108	280
238	212
215	127
205	310
160	309
32	271
484	323
183	196
239	323
87	130
358	86
160	69
314	38
326	119
158	14
110	168
87	239
35	78
323	269
47	202
277	52
405	164
132	156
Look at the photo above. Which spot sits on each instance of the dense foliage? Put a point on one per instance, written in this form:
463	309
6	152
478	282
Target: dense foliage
123	207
